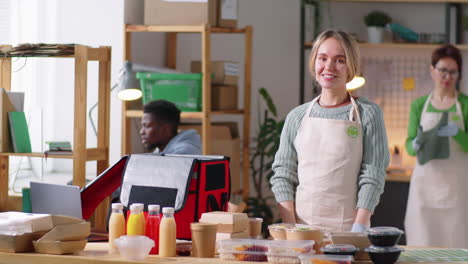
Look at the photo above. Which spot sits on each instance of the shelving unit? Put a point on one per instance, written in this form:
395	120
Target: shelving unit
82	55
206	112
307	45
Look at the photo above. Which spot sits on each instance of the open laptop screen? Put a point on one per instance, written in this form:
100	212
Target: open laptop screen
48	198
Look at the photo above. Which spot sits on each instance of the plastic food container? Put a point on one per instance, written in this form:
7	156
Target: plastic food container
243	249
384	236
275	251
278	231
325	259
134	247
288	251
384	255
339	249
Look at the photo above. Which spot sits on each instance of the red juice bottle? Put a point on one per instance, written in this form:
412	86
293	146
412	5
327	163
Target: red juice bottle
152	226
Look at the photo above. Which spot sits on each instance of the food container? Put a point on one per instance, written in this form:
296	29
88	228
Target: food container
134	247
304	232
339	249
384	236
243	249
278	231
275	251
288	251
384	255
359	240
325	259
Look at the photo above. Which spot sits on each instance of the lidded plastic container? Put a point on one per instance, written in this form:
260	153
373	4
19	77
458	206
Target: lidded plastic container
278	231
329	259
288	251
339	249
134	247
384	236
243	249
384	255
275	251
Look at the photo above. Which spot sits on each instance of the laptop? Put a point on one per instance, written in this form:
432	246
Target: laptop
57	199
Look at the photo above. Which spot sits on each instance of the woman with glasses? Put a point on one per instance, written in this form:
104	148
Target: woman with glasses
437	210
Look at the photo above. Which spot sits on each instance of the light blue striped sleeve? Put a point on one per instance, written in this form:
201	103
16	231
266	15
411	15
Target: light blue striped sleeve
376	156
285	180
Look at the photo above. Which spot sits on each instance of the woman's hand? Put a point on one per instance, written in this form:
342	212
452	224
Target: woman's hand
287	212
362	221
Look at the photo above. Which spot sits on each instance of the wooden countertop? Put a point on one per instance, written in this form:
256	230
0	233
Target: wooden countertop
96	253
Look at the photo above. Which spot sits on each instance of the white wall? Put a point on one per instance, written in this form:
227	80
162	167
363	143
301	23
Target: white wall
49	83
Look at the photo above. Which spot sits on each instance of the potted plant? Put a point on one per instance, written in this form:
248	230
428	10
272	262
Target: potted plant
267	142
375	22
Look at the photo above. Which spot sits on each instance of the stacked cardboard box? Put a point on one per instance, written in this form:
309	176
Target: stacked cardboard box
230	225
222	13
225	77
43	233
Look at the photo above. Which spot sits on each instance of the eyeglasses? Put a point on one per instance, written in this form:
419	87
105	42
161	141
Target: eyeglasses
445	72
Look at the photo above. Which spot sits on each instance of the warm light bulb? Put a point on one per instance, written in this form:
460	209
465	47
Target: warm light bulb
355	83
129	94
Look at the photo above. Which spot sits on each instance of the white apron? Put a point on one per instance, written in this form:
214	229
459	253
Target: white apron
329	156
437	211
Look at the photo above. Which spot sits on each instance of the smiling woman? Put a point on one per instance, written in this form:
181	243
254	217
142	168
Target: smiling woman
329	170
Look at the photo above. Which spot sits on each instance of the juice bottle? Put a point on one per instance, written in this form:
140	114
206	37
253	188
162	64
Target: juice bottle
116	226
167	233
152	226
136	220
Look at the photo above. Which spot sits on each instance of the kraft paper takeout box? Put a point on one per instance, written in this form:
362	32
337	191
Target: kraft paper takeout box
64	239
227	222
36	226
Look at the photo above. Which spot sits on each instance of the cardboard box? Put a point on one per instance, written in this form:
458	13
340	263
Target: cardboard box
224	97
177	12
223	72
227	14
227	222
223	236
224	141
45	229
64	239
18	243
134	11
59	247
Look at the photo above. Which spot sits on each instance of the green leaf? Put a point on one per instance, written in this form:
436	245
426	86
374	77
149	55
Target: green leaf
268	100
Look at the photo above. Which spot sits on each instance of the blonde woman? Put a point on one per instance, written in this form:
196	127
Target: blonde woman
329	171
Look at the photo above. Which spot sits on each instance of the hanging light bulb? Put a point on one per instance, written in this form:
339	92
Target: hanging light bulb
355	83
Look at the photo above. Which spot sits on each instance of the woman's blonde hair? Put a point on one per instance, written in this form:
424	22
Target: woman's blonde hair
349	45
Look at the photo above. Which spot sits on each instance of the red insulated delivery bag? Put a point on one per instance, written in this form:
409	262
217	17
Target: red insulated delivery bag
191	184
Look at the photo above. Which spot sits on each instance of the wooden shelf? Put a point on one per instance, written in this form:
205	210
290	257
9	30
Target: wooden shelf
181	29
205	113
308	45
405	1
187	115
94	54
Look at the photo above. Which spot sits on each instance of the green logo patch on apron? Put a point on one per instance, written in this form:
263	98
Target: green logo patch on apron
353	131
455	117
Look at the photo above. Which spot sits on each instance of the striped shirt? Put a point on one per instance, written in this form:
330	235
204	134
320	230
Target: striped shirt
375	157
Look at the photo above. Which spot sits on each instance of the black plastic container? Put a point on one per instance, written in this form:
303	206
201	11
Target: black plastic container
339	249
384	236
384	255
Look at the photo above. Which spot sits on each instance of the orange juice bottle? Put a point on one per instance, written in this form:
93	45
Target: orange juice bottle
167	233
116	226
136	220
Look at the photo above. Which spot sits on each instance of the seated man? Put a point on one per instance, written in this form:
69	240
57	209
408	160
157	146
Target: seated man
159	134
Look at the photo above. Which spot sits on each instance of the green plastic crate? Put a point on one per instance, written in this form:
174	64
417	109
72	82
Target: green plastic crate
183	89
